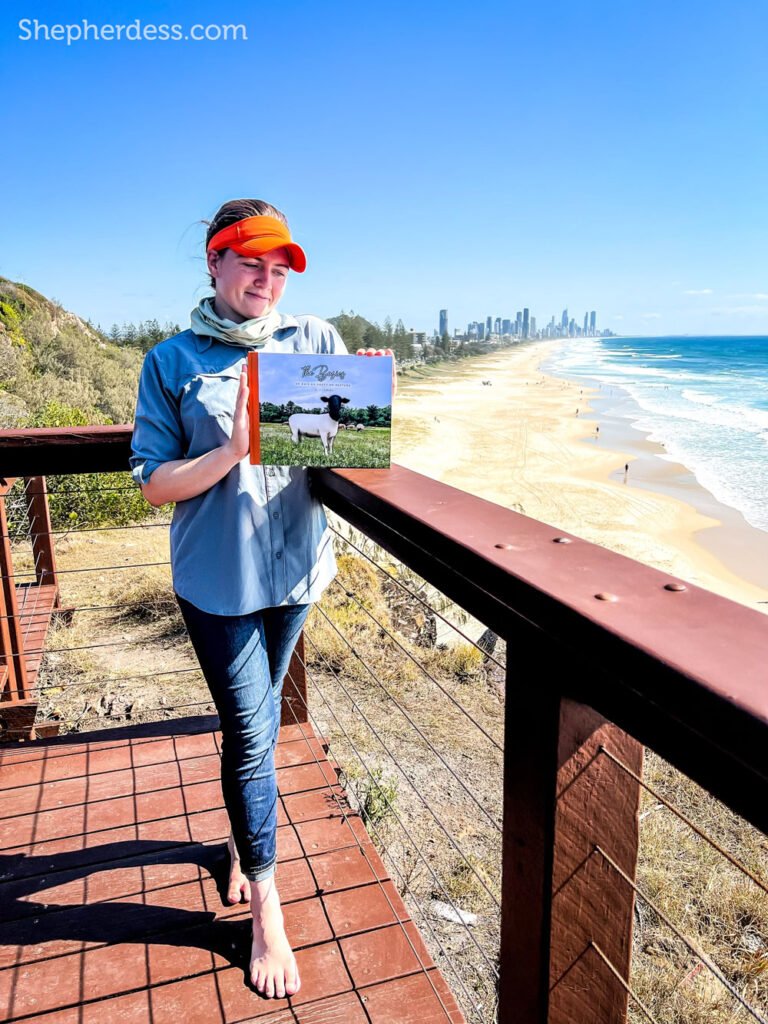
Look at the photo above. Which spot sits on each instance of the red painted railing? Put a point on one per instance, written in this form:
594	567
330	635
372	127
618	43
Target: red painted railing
604	655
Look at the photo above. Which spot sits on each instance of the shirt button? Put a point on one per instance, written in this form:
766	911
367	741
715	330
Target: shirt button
275	515
278	554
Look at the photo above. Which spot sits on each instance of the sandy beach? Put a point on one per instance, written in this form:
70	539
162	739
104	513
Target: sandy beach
519	442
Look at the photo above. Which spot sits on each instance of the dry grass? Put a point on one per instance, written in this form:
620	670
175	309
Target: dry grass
720	910
383	694
103	668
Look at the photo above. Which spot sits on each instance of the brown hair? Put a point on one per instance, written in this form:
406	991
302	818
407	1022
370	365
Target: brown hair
235	210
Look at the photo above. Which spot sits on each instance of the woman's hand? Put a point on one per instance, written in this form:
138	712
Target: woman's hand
382	352
240	442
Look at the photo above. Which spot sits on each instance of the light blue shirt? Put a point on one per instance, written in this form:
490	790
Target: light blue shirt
258	538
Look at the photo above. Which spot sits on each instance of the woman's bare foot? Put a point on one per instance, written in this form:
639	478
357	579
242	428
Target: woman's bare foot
273	966
239	888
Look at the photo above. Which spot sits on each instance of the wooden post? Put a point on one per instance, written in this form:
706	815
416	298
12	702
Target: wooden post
8	685
39	515
294	706
13	641
563	798
592	905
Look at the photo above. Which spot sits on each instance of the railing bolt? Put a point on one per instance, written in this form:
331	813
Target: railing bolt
505	547
606	597
675	586
562	540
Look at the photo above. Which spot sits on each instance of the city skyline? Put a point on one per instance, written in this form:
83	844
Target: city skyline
523	326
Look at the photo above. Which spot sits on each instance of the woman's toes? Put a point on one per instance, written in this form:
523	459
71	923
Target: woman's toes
280	985
292	982
269	987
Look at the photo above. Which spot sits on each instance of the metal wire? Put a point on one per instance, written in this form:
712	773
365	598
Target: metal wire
32	518
97	529
414	595
114	679
692	825
617	974
379	838
418	664
85	647
78	609
686	942
85	490
445	831
404	773
411	722
89	568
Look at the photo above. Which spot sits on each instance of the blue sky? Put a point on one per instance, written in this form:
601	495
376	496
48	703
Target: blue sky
364	381
479	157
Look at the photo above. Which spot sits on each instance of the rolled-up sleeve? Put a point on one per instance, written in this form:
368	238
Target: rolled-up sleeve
158	435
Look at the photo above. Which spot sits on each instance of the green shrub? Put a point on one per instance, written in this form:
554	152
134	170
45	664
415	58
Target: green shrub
377	798
81	500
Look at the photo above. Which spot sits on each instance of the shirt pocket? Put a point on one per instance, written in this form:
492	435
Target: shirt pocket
208	406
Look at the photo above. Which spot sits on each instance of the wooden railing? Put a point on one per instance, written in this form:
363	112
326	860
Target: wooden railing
25	611
604	656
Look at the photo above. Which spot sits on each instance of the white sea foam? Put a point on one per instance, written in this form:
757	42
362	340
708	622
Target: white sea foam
713	420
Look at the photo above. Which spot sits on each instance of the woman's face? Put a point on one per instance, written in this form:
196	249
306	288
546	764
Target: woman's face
248	286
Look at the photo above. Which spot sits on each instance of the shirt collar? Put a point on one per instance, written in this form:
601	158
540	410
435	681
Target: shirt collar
287	323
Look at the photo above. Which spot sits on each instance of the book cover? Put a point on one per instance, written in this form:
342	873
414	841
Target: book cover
320	410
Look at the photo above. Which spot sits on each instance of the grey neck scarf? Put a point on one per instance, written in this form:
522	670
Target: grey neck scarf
250	334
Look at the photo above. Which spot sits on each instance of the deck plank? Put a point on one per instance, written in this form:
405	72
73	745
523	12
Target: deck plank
112	902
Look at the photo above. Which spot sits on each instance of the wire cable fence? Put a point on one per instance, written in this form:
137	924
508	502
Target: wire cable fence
700	942
409	691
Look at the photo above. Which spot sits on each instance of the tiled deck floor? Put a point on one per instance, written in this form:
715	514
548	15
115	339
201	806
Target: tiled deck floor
111	903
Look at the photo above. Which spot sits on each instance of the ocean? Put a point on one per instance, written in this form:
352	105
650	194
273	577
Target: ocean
704	399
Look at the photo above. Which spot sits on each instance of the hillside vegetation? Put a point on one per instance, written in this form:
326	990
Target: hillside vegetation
56	368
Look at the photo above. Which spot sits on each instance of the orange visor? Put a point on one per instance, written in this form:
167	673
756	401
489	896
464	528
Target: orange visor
254	236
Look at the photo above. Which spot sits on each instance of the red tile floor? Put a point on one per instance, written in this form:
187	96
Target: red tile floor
112	863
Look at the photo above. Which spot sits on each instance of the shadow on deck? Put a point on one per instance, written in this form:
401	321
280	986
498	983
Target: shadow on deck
112	885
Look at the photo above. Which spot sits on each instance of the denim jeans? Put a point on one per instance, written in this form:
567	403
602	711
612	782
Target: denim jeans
244	659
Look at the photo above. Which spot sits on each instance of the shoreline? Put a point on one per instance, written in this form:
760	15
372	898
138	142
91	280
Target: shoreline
538	457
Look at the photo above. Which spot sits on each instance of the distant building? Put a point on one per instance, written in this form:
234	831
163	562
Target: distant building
519	324
593	323
488	327
497	325
564	320
533	326
506	326
571	328
480	332
443	323
586	324
526	323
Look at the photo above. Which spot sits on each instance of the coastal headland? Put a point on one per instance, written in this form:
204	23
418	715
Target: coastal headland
530	441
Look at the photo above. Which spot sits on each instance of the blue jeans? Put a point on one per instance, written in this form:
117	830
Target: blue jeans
244	659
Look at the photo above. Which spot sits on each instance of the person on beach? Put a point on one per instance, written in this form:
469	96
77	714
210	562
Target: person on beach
250	546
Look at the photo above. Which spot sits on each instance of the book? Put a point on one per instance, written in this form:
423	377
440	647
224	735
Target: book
320	410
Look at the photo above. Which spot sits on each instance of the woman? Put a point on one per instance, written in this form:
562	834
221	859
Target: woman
250	548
